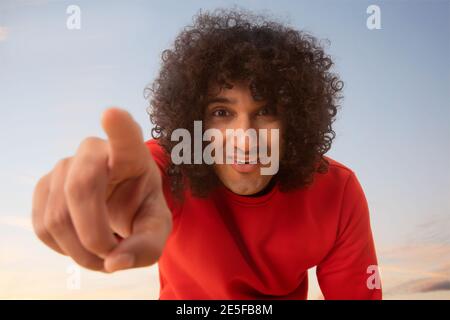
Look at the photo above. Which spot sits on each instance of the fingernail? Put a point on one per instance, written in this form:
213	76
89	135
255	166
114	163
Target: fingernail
119	262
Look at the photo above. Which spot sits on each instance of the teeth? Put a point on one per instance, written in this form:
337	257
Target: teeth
239	161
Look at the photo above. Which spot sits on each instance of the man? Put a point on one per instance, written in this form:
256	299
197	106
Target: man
221	230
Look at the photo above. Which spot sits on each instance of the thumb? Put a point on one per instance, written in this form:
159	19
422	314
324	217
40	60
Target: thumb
128	155
151	228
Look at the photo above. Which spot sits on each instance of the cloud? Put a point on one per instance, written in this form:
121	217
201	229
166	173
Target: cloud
421	265
436	286
436	282
421	286
406	279
4	32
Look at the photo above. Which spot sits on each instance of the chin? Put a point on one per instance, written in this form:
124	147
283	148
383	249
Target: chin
243	190
244	184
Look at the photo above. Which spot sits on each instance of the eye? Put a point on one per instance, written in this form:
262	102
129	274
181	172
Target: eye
267	111
220	113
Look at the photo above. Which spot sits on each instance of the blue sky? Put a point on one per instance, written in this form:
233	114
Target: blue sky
393	129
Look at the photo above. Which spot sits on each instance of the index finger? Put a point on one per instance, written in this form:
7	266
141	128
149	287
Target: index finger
128	155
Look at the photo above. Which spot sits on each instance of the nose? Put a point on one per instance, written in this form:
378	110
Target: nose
246	134
243	122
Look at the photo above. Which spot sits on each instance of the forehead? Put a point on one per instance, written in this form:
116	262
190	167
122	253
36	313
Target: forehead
235	92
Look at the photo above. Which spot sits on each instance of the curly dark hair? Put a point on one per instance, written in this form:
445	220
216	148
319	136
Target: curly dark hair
283	65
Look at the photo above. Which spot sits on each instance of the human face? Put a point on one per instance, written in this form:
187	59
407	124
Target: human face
235	109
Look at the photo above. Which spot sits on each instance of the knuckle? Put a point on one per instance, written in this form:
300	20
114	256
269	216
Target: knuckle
43	181
80	185
40	231
57	221
88	262
91	143
92	242
42	184
62	165
70	188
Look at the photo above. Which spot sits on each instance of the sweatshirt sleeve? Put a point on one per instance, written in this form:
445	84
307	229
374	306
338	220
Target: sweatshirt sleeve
162	160
349	270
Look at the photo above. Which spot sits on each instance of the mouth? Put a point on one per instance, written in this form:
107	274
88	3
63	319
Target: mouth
244	165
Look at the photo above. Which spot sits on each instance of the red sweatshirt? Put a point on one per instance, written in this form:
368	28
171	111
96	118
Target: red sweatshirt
229	246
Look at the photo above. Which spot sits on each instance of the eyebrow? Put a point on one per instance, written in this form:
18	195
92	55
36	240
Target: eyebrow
221	100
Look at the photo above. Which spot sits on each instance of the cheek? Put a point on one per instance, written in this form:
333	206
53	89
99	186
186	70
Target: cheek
274	138
220	124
